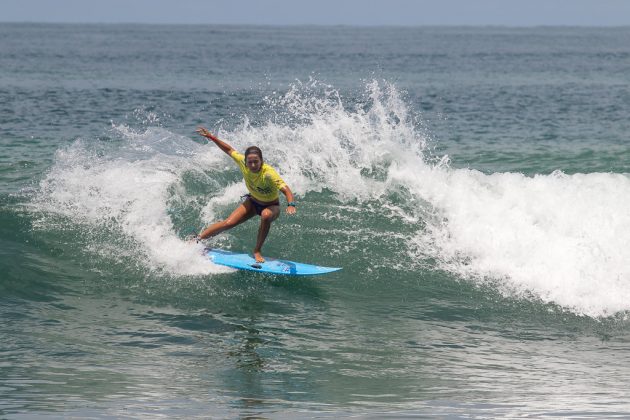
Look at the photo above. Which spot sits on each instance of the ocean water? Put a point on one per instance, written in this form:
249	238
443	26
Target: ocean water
473	183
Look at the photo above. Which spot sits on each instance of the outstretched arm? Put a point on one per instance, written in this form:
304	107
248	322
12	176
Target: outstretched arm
289	195
220	143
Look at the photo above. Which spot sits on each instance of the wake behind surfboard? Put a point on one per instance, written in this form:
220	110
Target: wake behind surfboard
271	265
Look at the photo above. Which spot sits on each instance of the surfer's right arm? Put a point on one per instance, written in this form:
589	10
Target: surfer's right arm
220	143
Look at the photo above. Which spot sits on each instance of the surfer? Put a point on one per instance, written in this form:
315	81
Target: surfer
263	184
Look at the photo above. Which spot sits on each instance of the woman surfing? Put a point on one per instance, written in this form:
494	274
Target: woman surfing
263	184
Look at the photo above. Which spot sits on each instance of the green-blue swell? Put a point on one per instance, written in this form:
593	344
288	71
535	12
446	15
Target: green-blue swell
472	182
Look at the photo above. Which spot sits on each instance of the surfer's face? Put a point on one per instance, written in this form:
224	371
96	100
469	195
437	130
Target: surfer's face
254	163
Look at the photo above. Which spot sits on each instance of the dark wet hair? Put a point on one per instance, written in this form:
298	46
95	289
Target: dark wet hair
253	150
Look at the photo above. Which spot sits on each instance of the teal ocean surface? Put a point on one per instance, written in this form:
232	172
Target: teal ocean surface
473	183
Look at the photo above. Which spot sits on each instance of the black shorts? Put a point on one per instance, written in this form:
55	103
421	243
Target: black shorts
259	207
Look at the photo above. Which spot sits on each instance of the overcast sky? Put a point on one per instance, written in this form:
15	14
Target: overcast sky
324	12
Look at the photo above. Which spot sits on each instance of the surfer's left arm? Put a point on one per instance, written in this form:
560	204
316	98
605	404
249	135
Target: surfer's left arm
289	195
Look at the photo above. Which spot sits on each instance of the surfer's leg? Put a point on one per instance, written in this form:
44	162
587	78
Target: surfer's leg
267	216
242	213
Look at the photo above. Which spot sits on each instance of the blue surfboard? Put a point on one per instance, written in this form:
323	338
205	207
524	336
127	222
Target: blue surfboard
271	265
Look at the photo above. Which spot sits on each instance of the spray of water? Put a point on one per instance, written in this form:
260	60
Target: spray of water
564	239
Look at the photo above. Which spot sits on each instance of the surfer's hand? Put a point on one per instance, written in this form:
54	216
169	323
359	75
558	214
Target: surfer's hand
204	132
291	210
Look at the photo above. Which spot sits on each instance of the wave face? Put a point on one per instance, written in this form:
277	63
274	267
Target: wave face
472	183
558	238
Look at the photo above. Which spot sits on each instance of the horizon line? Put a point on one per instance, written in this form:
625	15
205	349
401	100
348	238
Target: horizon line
349	25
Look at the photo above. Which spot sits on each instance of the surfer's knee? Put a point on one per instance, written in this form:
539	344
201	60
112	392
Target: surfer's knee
267	215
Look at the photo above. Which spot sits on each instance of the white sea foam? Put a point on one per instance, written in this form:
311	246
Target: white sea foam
126	192
564	239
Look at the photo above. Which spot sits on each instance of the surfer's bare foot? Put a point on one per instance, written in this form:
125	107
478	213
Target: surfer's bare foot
259	257
192	239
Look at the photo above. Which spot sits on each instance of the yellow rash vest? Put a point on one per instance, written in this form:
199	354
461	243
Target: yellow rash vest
262	185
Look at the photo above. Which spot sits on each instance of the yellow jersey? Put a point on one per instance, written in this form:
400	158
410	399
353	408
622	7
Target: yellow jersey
262	185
